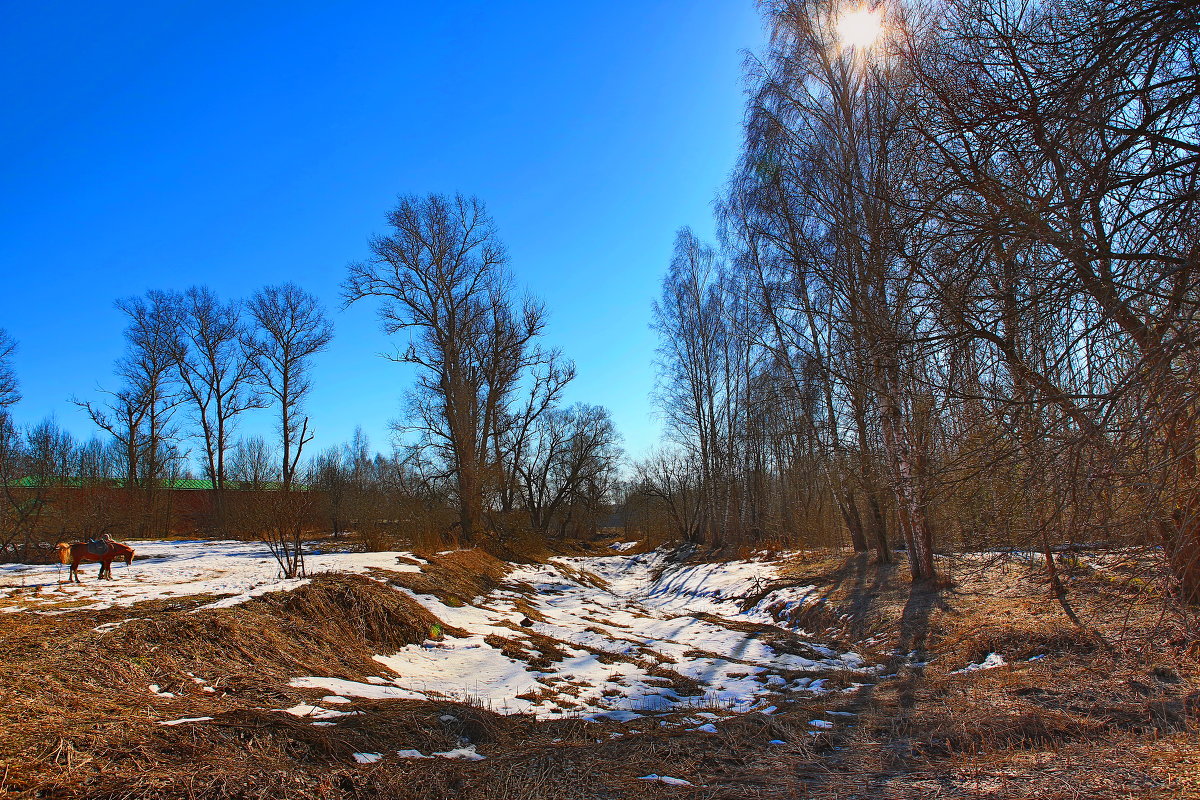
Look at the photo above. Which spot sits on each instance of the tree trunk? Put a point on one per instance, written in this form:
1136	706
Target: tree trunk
910	509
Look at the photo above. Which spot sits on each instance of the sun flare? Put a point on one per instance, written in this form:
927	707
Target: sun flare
860	28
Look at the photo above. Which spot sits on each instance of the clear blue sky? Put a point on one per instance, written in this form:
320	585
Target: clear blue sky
158	145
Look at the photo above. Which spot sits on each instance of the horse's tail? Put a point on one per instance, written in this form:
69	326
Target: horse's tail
64	552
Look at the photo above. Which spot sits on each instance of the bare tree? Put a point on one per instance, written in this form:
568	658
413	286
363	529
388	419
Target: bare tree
516	429
148	368
292	328
440	275
568	466
138	415
253	465
689	322
9	387
670	477
813	218
216	372
1061	206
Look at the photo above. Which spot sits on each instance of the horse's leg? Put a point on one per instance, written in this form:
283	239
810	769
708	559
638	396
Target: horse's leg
74	572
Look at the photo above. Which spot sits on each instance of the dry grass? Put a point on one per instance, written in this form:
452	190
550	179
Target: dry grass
1106	710
455	577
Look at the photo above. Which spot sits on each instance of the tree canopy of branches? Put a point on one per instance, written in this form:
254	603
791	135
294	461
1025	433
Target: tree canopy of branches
569	466
440	274
138	415
292	328
215	370
967	257
9	391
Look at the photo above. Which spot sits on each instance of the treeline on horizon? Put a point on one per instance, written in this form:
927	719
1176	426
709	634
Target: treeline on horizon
952	306
488	446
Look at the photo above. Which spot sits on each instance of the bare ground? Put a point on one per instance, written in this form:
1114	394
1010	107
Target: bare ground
1106	708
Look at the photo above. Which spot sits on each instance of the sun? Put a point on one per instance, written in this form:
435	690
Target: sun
860	28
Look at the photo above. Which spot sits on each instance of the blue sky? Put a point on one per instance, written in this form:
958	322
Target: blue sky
160	145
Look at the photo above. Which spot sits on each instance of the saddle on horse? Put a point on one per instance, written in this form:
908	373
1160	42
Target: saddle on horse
98	547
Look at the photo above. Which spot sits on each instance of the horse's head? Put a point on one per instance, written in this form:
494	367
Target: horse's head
124	551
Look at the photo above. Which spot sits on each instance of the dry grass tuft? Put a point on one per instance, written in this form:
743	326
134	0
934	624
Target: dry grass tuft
455	577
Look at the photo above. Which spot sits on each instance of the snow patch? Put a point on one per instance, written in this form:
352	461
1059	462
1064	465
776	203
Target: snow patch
612	617
411	754
314	712
666	779
992	661
463	754
237	571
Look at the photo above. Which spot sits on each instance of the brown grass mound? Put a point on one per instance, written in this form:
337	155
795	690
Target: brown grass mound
330	626
72	695
455	577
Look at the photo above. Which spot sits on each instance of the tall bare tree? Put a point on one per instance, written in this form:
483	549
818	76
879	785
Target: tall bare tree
216	372
292	328
440	275
149	368
568	466
139	415
1063	141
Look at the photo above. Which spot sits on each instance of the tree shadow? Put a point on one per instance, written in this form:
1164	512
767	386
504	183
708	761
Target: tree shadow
924	598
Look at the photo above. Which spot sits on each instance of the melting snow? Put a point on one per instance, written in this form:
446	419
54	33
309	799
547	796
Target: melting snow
623	625
665	779
314	712
625	629
463	754
992	661
164	569
411	754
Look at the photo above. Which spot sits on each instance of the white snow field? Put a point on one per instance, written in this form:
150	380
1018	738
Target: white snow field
625	635
623	623
235	570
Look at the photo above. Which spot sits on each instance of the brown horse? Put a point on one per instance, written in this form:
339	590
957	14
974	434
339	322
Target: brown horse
75	554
